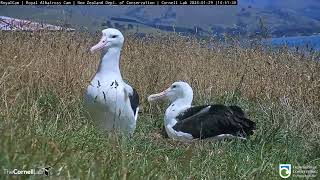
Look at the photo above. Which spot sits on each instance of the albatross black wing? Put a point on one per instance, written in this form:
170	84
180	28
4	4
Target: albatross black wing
134	101
188	113
219	119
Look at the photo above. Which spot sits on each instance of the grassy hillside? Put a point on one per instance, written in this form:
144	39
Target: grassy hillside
43	123
281	19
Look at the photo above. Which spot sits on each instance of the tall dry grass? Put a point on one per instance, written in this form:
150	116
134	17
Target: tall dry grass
43	77
61	63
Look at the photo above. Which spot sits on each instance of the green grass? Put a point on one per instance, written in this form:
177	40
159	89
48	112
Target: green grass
43	76
43	130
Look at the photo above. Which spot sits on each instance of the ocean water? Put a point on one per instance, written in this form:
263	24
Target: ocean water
308	42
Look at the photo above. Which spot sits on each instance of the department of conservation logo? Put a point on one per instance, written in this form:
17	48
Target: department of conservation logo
284	170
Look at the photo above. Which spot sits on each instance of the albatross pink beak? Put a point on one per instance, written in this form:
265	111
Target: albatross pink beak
102	43
155	97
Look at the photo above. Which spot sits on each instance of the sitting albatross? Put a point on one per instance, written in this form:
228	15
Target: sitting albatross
185	122
111	103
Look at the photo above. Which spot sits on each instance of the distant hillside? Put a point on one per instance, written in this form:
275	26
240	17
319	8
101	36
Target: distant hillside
280	18
249	19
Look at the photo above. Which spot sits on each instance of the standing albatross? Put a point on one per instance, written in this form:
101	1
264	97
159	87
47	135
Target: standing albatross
185	122
111	103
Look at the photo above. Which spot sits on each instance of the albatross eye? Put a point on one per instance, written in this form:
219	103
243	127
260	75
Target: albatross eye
174	86
114	36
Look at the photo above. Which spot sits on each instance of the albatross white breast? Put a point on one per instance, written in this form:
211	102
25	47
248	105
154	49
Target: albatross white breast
185	122
111	103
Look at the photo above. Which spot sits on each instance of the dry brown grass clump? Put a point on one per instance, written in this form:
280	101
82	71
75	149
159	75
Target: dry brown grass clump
61	62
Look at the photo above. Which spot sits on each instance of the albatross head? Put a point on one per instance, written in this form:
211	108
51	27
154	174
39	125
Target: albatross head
110	38
177	91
